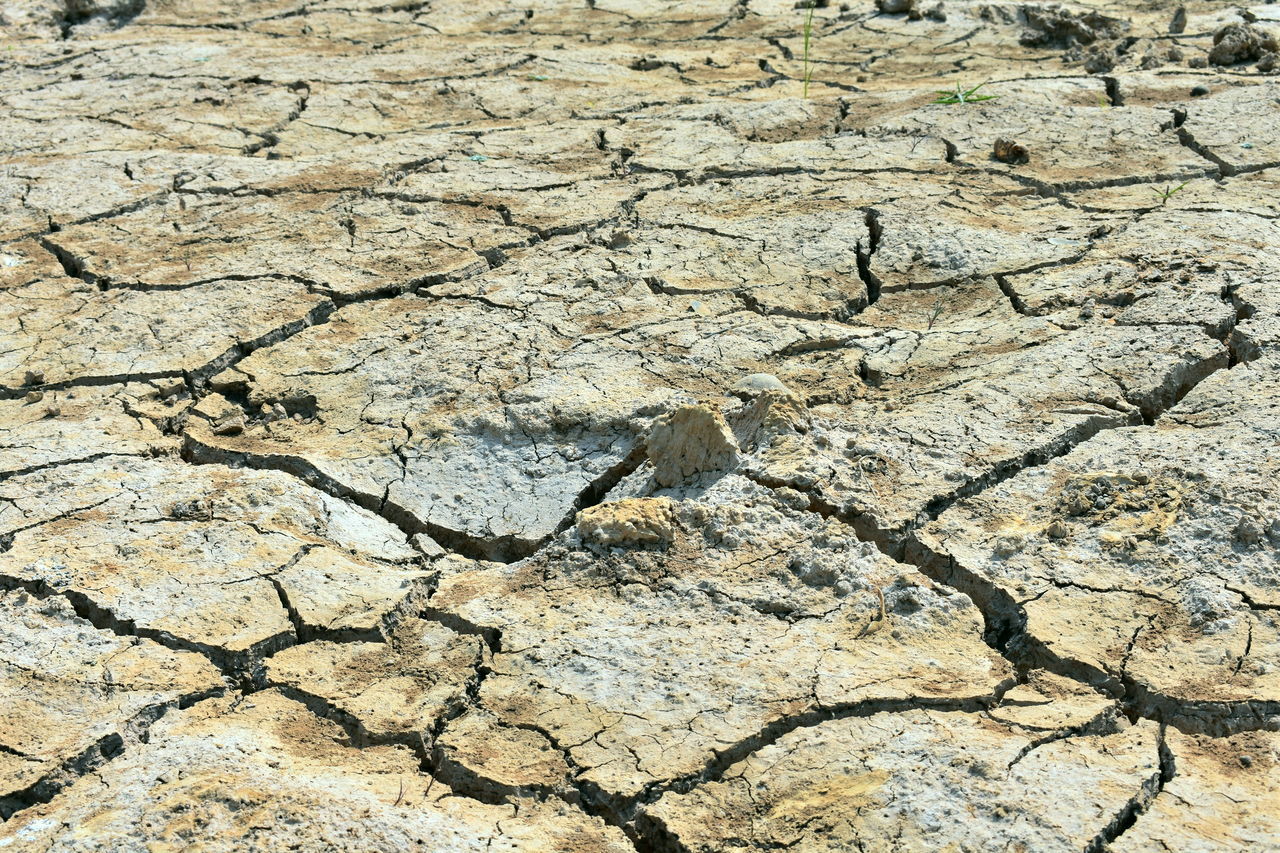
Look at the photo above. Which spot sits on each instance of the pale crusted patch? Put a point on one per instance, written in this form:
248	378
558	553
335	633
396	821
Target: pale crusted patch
773	412
689	441
1123	506
633	521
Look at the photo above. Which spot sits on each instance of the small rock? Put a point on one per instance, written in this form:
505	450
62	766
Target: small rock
758	383
873	465
1246	760
1057	530
34	396
1249	531
1236	43
52	411
792	498
1056	26
1099	60
273	412
1009	151
231	425
1150	60
215	408
895	7
1179	22
428	546
167	388
193	508
33	377
1199	91
1007	546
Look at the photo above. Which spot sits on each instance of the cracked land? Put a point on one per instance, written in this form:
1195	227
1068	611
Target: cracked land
639	426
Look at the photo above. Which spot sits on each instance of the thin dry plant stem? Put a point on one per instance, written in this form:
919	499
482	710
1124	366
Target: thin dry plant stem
808	32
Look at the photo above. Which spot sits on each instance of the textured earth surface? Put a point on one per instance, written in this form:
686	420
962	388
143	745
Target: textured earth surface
632	425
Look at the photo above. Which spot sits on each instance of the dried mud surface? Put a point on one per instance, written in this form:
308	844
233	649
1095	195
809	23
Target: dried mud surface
629	425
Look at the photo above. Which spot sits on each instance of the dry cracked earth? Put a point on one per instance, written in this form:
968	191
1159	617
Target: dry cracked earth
555	425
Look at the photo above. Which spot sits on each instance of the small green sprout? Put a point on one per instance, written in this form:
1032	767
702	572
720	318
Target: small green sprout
960	96
538	77
1168	192
935	312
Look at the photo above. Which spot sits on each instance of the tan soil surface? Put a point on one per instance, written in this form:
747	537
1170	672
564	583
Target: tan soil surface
633	425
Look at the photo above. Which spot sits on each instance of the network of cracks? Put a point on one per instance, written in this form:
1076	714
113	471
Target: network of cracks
639	426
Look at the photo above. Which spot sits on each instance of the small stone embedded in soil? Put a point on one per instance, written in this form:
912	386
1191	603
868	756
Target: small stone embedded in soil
895	7
1008	151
